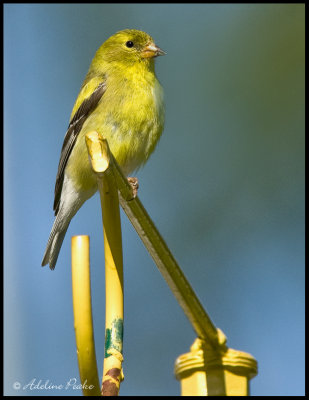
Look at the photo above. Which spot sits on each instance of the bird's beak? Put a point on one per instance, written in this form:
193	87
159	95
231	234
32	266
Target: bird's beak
151	50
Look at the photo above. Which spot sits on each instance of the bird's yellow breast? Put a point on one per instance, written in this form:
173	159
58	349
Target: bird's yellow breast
130	115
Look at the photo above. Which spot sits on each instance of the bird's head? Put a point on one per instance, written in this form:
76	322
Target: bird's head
128	47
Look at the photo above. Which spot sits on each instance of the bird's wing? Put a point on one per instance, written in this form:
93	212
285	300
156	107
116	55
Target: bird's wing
83	109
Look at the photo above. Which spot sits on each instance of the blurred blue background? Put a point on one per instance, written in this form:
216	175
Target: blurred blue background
225	188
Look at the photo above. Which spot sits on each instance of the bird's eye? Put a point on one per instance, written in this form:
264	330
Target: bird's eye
129	43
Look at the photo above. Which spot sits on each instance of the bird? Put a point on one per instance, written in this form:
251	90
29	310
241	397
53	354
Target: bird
122	99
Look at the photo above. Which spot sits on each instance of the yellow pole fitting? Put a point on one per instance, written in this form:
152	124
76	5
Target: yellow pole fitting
100	158
81	291
206	372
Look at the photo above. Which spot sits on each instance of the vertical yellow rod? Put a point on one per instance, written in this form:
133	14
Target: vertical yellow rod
81	291
112	373
99	156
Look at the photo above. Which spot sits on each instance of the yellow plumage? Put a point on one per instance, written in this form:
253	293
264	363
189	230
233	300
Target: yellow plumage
120	98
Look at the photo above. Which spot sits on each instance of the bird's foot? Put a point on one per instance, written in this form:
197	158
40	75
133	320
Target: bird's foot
134	185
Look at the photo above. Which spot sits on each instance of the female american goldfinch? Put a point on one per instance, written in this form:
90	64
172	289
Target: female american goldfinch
121	99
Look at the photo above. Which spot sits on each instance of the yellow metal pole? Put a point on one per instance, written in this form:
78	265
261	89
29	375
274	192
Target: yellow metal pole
100	161
211	368
81	291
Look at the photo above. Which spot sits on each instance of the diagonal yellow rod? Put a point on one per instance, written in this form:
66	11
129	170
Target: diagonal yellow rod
165	261
81	291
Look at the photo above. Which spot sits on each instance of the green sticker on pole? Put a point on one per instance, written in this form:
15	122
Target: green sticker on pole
114	337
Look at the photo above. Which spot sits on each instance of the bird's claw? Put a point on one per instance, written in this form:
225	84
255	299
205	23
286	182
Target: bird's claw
134	185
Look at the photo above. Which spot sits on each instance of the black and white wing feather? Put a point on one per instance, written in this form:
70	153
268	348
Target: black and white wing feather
75	126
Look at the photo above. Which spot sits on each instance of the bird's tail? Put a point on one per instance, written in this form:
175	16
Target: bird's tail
71	201
55	242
